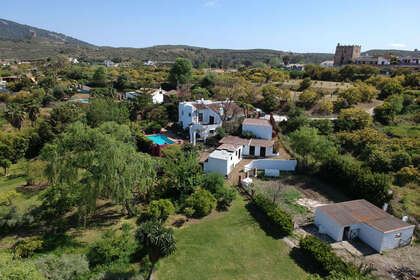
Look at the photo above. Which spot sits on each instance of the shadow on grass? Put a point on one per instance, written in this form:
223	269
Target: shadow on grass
59	241
304	262
264	222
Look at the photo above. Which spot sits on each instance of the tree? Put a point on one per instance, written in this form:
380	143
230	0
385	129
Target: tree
326	107
15	114
286	59
33	111
5	163
158	241
99	78
308	98
305	84
160	209
271	98
202	201
102	110
353	118
181	72
100	162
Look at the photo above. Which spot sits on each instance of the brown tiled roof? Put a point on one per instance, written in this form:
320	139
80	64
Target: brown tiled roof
230	108
361	211
234	140
262	142
260	122
200	106
228	147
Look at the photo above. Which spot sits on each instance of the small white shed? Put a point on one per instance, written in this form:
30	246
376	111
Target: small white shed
360	218
223	160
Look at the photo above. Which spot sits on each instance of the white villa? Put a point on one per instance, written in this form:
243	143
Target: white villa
202	117
157	95
361	219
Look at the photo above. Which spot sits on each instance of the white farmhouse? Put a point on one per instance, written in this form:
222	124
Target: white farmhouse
252	147
359	218
202	117
224	159
260	127
157	95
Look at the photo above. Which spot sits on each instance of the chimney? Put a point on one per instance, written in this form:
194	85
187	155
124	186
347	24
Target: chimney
385	207
221	110
404	218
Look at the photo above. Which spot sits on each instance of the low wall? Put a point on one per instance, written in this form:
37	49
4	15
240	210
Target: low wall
278	164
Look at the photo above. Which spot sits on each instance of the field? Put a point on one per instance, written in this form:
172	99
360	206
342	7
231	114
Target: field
229	245
329	87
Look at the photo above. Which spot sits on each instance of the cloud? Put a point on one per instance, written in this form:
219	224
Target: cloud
398	45
210	4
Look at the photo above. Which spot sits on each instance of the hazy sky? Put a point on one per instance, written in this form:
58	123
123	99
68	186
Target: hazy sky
300	25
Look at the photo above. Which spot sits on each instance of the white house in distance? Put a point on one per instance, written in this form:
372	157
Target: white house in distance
359	218
252	147
202	117
260	127
157	95
224	159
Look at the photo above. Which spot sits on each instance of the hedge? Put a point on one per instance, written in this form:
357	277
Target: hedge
277	216
322	255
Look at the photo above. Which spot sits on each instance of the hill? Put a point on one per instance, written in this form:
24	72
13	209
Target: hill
16	32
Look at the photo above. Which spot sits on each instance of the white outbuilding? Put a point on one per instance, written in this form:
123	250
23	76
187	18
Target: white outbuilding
363	220
224	159
252	147
260	127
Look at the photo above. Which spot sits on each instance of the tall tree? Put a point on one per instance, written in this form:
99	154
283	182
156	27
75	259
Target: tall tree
99	78
181	72
33	111
158	241
15	114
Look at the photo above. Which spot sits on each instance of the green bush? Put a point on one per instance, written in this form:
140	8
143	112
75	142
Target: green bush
17	269
279	217
321	253
64	267
215	183
143	143
112	247
202	201
26	248
159	209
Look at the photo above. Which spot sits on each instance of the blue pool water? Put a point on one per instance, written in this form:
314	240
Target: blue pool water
160	139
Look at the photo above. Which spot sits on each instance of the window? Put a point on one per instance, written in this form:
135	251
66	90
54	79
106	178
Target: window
189	114
200	117
397	235
182	112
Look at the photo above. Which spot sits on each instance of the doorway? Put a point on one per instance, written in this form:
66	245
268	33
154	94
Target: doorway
211	120
251	150
346	233
262	151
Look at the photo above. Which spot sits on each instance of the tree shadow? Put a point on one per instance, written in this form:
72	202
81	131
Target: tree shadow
305	262
54	241
264	222
110	275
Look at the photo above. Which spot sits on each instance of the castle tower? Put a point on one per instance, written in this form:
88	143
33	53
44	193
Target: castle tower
346	54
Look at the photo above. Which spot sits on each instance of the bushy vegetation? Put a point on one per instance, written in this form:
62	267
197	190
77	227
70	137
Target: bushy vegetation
279	217
64	267
202	202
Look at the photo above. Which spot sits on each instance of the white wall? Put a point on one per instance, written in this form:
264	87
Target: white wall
283	165
185	114
268	151
263	132
326	225
371	236
213	165
390	241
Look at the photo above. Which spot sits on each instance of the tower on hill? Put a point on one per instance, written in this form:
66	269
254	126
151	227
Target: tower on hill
346	54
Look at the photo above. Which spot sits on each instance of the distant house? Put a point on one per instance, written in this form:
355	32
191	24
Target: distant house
327	63
149	63
252	147
260	127
73	60
361	219
157	95
409	60
109	63
223	159
202	117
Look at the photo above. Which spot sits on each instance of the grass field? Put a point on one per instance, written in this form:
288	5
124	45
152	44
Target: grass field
230	245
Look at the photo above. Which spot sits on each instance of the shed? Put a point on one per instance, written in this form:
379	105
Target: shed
363	220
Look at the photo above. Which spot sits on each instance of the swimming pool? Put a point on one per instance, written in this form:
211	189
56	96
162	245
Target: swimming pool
160	139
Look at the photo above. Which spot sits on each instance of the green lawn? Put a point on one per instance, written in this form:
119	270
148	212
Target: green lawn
403	130
229	245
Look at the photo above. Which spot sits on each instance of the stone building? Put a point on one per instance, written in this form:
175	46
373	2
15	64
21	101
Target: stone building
346	54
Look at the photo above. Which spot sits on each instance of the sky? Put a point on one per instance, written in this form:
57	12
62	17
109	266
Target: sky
298	26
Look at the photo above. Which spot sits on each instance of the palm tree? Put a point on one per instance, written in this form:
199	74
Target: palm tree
158	241
33	112
15	114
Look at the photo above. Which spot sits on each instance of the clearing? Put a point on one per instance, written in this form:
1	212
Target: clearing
229	246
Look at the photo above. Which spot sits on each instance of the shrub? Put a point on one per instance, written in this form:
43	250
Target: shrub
35	172
322	254
215	183
159	209
26	248
143	143
7	197
112	247
189	212
277	216
202	201
64	267
248	135
326	107
220	132
407	175
17	269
